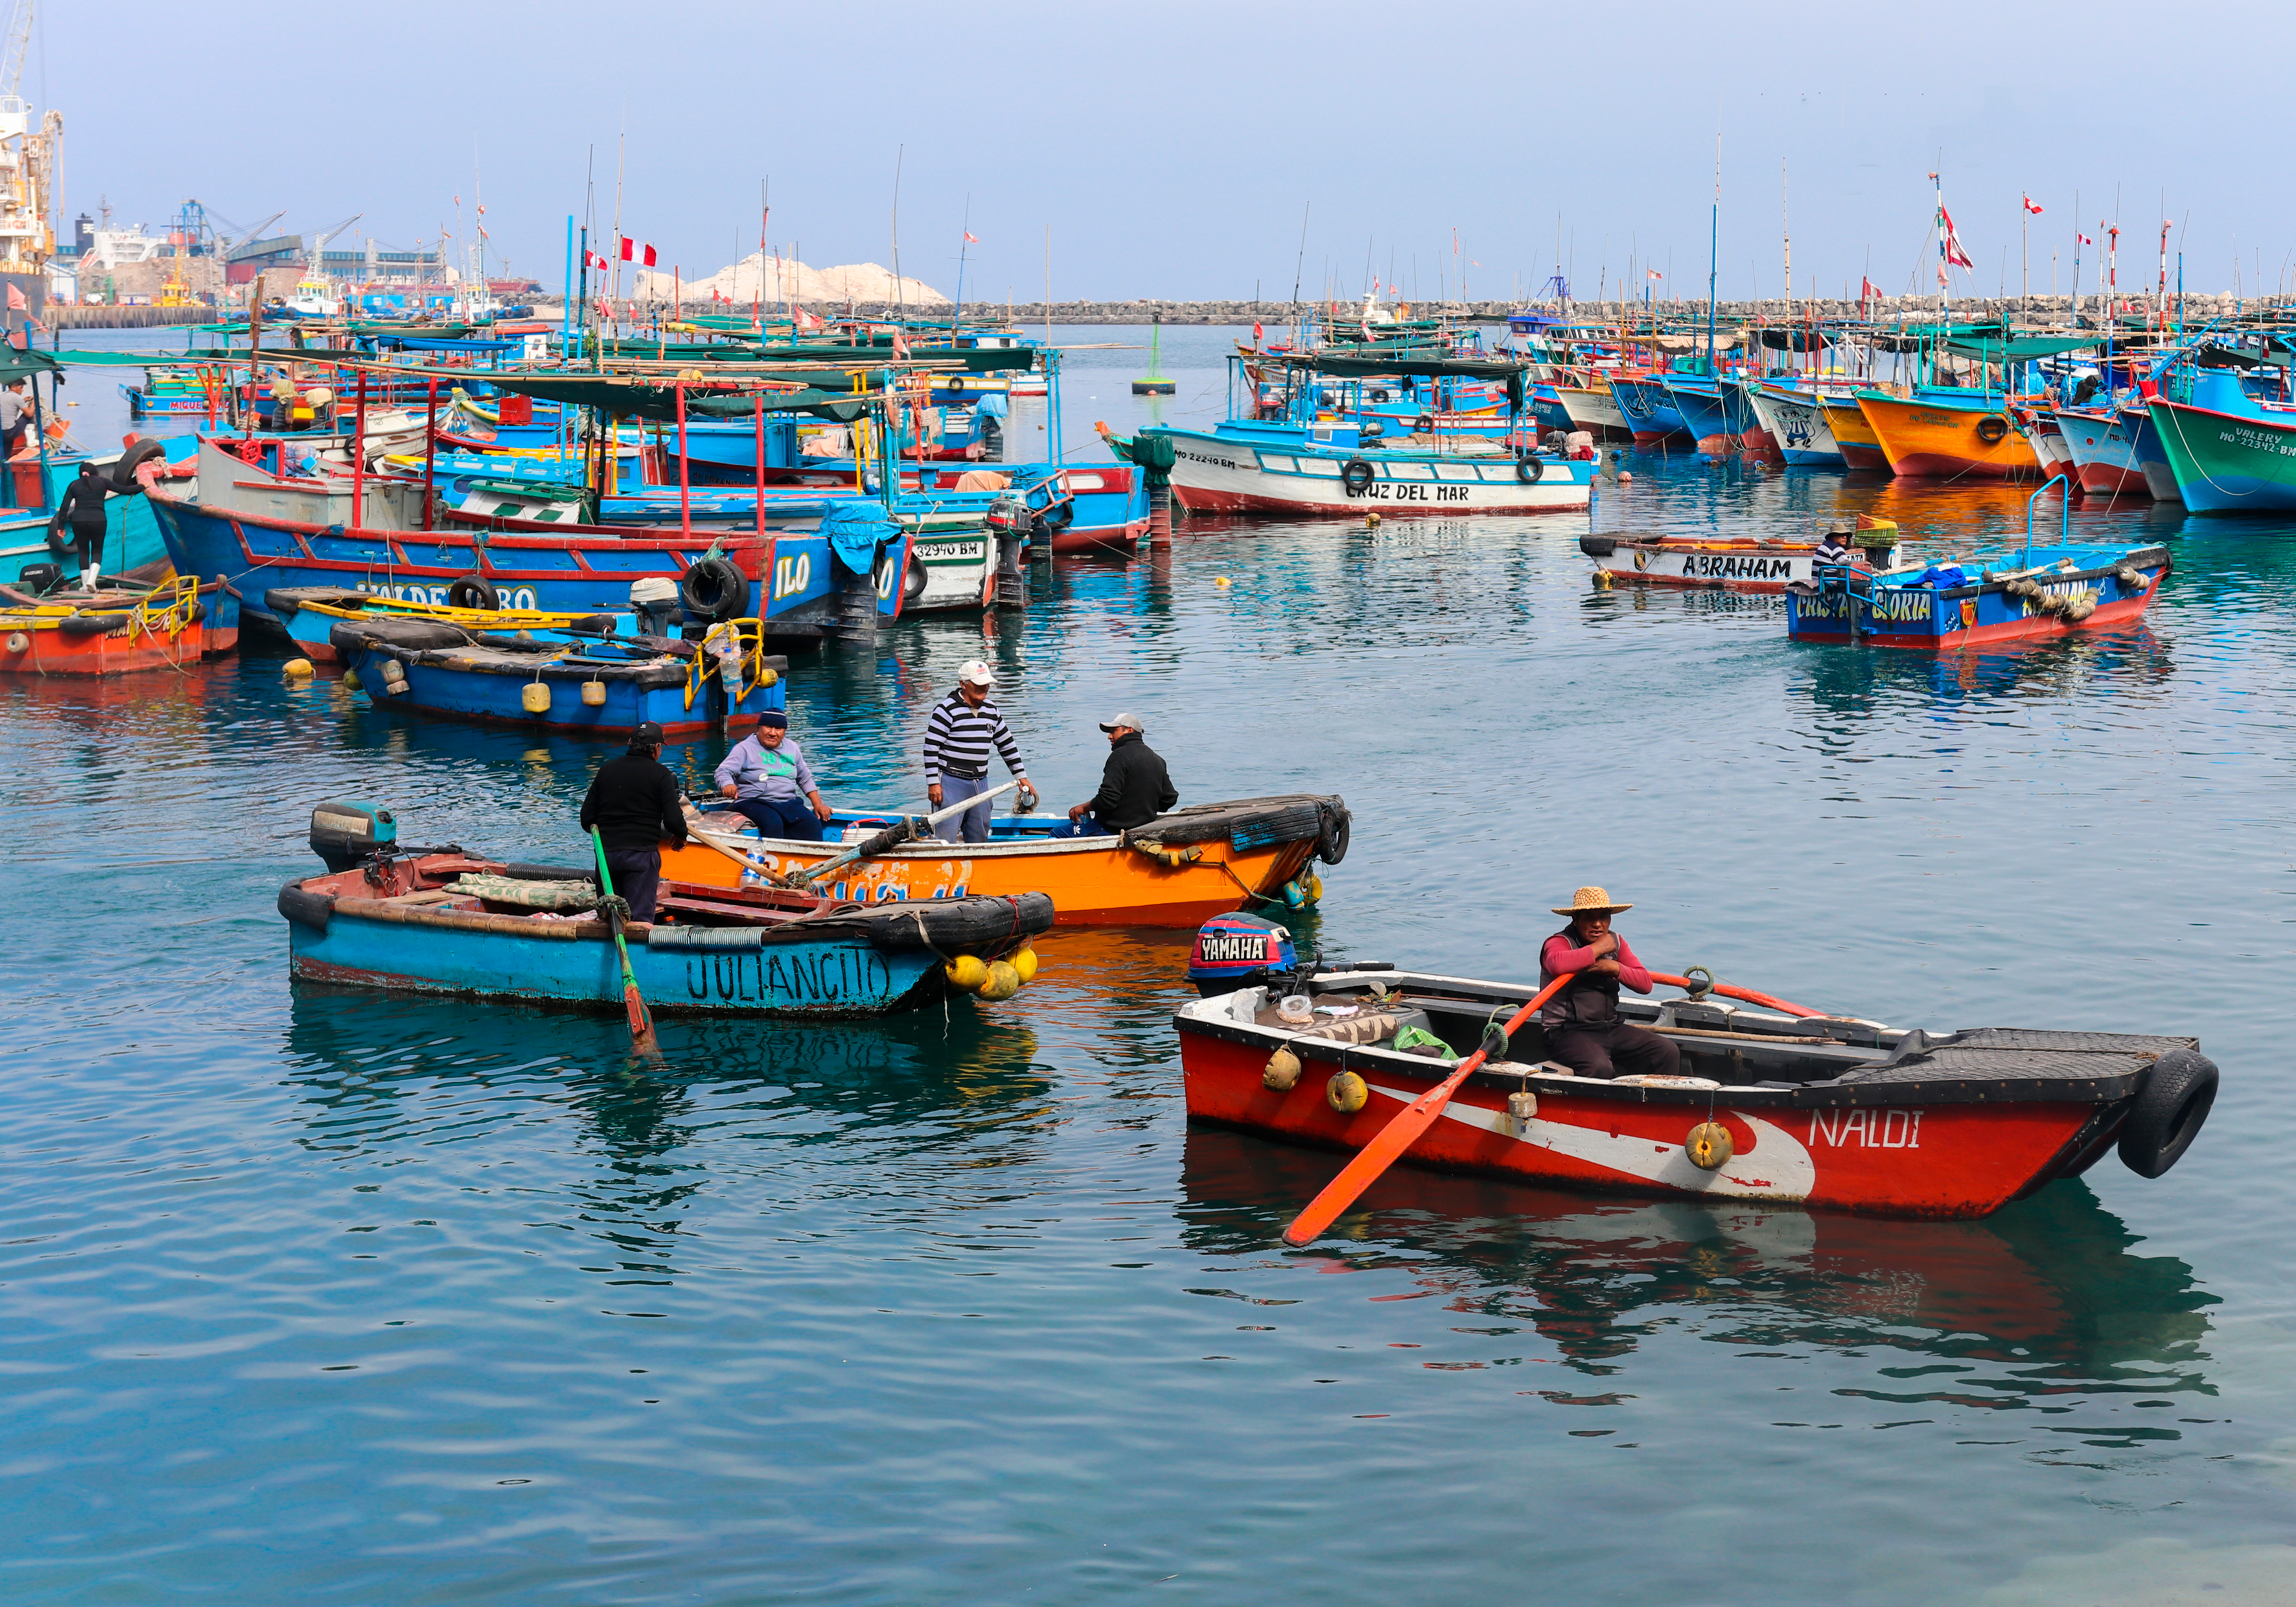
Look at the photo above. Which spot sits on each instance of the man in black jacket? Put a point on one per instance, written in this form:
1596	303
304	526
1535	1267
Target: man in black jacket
634	803
1133	788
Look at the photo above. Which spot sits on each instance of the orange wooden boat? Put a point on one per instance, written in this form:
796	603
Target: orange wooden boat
1933	437
1179	870
1861	448
108	633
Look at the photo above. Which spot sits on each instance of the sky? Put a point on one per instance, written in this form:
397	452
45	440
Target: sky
1188	151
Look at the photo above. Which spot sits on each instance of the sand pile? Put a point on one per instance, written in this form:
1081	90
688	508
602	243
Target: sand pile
761	277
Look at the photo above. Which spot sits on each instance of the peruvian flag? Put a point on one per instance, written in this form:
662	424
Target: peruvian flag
1255	332
1653	274
1950	245
1867	290
636	251
2082	238
2032	206
971	239
596	260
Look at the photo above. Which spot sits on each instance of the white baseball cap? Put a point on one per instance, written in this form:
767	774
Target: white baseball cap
975	672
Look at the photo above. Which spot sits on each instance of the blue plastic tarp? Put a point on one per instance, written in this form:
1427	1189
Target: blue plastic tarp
854	528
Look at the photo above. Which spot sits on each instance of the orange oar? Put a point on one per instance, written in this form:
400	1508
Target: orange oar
641	1021
1747	994
1396	1135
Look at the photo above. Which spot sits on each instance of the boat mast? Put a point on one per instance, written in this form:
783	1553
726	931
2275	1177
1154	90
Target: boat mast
1713	248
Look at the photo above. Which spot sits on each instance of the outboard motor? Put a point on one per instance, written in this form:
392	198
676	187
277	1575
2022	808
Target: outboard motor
347	835
1239	951
1009	513
653	600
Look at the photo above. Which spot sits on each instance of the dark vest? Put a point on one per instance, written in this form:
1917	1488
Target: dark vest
1589	999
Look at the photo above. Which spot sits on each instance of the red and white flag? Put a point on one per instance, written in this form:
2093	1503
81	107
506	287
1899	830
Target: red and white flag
971	238
2082	238
1950	245
1255	332
596	260
636	251
2032	206
1867	290
1653	274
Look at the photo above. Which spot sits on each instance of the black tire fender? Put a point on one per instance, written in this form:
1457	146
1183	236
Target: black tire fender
1992	428
92	624
714	590
124	482
473	591
1528	469
2170	1108
1332	845
913	579
305	907
1598	546
1356	475
1425	424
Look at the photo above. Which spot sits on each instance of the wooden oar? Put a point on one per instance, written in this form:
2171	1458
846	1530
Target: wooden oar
641	1021
893	836
1396	1135
1728	992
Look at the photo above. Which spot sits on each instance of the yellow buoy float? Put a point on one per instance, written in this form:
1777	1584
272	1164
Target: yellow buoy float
1282	1072
1709	1145
1002	983
298	668
1025	962
1346	1093
967	972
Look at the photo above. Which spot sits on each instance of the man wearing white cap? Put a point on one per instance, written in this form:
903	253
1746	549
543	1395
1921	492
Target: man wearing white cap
963	727
1583	1028
1135	788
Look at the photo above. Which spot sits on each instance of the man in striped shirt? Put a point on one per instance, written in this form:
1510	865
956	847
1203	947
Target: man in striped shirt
964	727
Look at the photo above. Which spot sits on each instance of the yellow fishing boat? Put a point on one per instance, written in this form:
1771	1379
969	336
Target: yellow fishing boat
1179	870
1932	436
1861	448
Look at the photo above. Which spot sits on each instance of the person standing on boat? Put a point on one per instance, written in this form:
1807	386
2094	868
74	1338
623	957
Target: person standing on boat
80	511
633	803
768	780
1135	788
15	418
963	727
1584	1030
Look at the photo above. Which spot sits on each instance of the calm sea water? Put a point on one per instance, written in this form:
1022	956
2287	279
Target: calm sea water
329	1297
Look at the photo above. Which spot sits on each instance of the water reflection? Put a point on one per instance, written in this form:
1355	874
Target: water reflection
2043	1300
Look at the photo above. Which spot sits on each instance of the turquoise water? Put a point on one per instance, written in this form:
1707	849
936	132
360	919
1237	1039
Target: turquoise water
321	1296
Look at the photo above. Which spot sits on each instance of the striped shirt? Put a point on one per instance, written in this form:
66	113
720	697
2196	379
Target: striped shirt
958	737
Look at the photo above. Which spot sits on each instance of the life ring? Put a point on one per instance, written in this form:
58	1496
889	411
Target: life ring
713	589
2168	1112
473	591
1992	428
1356	475
1425	424
1528	469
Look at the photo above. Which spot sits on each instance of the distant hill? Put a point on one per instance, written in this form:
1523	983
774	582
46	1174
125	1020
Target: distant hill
757	277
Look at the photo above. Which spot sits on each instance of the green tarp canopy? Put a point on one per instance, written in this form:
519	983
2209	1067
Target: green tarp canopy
2024	349
993	360
652	400
112	359
22	365
1355	368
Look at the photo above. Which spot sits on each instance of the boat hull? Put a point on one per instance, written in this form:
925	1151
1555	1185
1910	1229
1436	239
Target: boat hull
1853	435
444	692
1213	475
1930	620
1798	427
1928	439
2223	464
1591	408
2103	459
1649	412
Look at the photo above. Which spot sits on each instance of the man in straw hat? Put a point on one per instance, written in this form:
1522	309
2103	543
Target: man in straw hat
1834	548
1583	1028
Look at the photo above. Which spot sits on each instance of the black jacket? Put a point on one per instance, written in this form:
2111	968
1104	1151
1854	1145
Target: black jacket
633	803
1133	788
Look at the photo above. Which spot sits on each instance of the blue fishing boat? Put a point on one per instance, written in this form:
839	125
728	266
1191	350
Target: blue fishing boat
310	614
580	681
1699	401
1650	409
449	922
1990	597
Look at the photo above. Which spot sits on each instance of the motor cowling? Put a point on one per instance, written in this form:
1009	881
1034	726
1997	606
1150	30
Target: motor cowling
347	835
1008	514
1239	951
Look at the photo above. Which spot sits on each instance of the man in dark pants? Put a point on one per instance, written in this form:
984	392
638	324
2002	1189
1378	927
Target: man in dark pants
768	780
1583	1028
1135	788
633	803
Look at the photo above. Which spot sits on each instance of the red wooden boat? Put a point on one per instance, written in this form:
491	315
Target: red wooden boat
1828	1111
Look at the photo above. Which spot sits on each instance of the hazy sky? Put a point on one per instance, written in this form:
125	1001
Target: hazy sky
1171	148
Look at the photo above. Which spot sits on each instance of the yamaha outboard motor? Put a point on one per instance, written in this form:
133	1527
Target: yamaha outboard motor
1239	951
653	600
347	835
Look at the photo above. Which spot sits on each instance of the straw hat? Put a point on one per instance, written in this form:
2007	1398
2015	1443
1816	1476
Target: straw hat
1589	901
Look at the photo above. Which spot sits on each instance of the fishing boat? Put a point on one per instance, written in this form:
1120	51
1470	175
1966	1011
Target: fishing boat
1588	405
1853	435
581	681
112	631
2227	463
1935	435
1797	424
446	921
2104	459
311	613
174	391
1175	871
1649	408
1773	1102
2039	426
2002	596
2150	451
1726	564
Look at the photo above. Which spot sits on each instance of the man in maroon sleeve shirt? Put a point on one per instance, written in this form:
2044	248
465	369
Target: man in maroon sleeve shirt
1583	1028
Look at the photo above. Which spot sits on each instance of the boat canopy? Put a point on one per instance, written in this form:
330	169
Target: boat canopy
2024	349
1356	367
653	397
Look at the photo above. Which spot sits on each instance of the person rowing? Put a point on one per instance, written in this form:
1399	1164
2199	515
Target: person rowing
1583	1028
768	780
